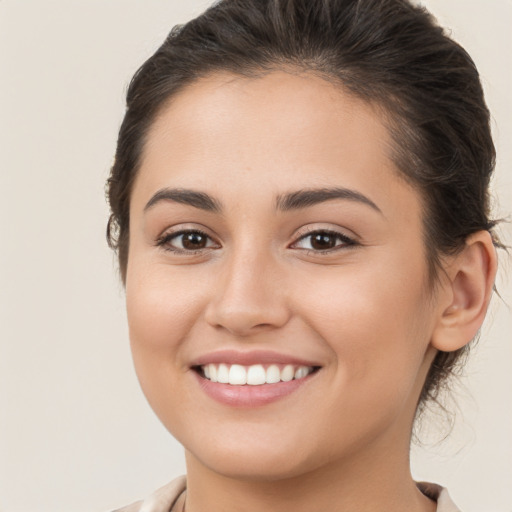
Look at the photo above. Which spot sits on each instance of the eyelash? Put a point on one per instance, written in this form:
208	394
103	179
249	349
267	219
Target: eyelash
347	242
164	241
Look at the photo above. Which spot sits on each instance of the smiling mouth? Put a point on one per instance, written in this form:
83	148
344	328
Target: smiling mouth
253	375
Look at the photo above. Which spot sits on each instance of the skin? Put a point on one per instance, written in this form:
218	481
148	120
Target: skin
363	312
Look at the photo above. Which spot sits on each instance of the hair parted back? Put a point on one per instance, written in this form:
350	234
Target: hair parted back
387	52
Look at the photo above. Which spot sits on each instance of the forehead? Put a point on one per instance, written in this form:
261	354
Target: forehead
278	109
228	134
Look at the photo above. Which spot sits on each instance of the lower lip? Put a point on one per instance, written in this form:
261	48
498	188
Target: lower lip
249	396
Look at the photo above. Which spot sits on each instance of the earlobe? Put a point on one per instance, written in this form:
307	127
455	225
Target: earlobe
469	285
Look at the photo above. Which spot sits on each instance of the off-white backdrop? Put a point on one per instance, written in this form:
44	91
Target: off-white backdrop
75	431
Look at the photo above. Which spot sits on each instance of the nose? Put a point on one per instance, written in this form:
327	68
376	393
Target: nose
249	295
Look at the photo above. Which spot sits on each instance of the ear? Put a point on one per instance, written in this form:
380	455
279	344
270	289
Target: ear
466	293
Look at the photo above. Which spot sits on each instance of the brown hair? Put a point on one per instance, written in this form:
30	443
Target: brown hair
387	52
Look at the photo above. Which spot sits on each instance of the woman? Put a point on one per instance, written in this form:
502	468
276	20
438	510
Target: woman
300	208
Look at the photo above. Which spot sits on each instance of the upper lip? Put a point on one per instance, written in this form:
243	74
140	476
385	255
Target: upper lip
248	358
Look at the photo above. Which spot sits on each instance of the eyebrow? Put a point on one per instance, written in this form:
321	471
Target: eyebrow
311	197
284	202
189	197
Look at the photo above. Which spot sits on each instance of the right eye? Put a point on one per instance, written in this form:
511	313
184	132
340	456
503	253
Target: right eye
186	241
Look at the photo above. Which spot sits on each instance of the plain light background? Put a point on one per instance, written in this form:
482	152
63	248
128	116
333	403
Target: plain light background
75	431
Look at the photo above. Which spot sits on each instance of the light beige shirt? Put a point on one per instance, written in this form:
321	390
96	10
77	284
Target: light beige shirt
170	498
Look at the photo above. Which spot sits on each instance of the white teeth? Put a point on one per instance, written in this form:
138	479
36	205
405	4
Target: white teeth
287	373
273	374
237	375
212	370
223	374
254	375
300	372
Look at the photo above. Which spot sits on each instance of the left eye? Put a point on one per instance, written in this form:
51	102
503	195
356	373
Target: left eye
322	241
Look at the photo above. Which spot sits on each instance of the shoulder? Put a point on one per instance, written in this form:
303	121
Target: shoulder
440	495
161	500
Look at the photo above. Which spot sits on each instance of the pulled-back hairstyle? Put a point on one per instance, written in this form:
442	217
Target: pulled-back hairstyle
387	52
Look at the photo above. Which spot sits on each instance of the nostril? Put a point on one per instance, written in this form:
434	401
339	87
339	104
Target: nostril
244	319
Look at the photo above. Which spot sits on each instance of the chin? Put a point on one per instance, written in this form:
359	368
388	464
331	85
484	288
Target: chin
253	461
258	469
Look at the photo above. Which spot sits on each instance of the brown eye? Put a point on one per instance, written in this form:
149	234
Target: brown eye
323	241
186	241
193	241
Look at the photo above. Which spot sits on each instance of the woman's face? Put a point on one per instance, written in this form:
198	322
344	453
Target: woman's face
271	237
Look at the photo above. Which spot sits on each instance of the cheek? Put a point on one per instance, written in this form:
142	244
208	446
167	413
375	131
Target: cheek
374	319
162	309
162	306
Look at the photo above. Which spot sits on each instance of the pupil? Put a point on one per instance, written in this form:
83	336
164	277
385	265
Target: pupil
323	241
194	241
